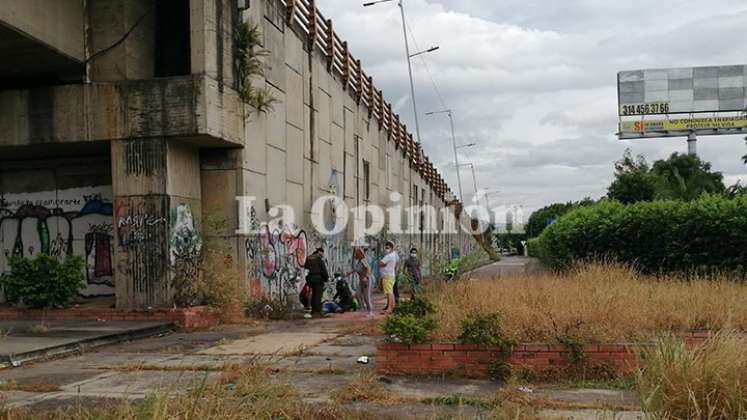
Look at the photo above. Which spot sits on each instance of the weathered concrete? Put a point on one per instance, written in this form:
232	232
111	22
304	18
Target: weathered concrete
188	107
176	362
271	344
186	145
20	344
58	24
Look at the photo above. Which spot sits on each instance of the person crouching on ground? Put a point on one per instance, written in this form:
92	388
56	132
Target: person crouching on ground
343	297
388	268
316	278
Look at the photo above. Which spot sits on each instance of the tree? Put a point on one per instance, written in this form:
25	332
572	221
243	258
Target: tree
548	215
686	177
634	181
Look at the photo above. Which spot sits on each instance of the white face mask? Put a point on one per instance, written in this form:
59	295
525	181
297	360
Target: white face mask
413	254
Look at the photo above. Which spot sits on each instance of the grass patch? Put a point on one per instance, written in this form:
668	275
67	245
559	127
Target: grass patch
702	382
247	391
366	388
41	328
369	328
41	388
459	401
593	303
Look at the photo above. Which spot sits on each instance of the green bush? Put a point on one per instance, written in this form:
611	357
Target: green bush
703	235
269	309
546	216
482	328
534	247
418	307
407	329
44	281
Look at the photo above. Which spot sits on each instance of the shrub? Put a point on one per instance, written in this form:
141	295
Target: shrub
418	307
269	309
534	246
704	235
43	281
482	328
546	216
407	329
704	382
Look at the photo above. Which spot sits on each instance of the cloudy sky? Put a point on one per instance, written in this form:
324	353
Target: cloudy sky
533	82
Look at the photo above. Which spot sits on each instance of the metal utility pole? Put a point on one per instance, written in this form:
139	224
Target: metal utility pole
692	144
454	144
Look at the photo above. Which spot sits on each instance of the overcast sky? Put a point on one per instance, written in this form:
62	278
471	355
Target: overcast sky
533	82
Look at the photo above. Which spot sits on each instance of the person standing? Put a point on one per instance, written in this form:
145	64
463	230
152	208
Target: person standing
362	268
317	276
412	267
388	268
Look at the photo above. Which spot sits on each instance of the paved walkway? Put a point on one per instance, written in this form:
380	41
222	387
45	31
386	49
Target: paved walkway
22	341
316	356
508	267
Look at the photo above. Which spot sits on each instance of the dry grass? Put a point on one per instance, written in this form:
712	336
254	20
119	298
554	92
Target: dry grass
707	382
241	392
41	388
598	302
41	328
367	388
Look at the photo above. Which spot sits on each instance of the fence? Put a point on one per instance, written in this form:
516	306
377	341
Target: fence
340	61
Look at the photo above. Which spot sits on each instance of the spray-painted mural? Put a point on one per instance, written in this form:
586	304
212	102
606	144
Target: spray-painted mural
75	221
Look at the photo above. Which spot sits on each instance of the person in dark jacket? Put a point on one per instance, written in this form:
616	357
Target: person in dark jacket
343	297
316	278
412	267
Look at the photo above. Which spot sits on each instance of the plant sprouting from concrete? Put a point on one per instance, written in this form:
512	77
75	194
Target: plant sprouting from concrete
248	62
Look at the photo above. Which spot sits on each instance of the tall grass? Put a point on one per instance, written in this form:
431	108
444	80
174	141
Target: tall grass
598	302
242	392
707	382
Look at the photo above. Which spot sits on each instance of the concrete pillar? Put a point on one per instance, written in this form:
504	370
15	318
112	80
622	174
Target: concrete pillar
157	219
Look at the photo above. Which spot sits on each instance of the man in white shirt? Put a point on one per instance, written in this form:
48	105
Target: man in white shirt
388	269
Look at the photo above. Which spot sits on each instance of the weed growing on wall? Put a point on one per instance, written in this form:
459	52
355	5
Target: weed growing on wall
248	54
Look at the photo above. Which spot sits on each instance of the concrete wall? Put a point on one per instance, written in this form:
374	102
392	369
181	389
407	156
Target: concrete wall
59	207
314	143
58	23
182	149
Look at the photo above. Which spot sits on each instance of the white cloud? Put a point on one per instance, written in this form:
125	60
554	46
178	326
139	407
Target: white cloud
533	81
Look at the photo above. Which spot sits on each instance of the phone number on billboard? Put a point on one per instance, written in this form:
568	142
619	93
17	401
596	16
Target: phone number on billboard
644	109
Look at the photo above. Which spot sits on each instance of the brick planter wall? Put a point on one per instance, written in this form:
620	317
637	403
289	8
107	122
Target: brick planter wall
185	318
473	360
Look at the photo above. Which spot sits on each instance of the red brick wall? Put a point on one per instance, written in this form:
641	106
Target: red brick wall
185	318
473	360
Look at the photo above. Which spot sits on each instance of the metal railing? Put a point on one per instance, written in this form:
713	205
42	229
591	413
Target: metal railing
340	61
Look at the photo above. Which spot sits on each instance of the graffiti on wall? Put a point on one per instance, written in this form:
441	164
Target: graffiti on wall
276	257
185	250
60	223
142	233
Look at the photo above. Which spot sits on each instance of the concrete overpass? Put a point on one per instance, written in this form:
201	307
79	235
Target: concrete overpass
42	42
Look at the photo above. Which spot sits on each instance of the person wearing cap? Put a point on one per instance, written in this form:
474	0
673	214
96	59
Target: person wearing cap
317	276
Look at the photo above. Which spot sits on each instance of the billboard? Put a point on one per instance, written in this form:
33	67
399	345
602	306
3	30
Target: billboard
649	101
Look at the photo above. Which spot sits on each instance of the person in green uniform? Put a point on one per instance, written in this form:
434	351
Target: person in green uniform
316	277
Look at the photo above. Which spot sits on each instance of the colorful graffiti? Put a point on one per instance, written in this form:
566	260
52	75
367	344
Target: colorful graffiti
44	223
276	257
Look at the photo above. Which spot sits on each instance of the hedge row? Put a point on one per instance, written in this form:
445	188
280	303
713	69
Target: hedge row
658	237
